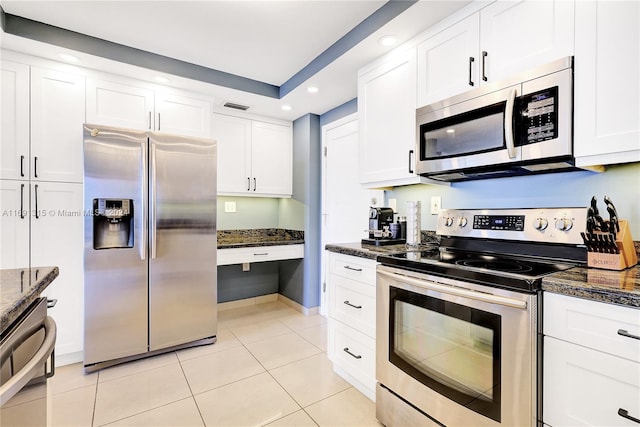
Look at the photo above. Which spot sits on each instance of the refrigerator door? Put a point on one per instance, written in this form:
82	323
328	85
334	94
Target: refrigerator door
182	240
115	275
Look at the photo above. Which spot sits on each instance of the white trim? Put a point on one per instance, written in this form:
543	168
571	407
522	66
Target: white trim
298	307
246	302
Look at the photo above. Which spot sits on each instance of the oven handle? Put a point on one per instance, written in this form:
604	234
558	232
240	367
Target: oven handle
459	292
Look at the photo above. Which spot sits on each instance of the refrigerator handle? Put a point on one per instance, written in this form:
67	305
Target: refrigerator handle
152	203
143	199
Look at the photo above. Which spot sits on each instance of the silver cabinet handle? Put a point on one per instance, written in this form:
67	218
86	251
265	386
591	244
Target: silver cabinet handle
410	162
471	59
355	356
351	268
625	414
508	124
626	333
484	63
21	201
351	305
261	254
158	121
36	200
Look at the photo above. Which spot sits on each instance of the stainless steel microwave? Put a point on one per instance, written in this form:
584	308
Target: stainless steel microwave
521	125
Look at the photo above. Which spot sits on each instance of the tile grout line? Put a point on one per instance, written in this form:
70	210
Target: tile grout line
193	396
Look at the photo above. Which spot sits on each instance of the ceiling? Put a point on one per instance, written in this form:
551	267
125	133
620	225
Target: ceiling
267	41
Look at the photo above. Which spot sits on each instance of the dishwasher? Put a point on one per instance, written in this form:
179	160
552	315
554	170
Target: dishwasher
26	364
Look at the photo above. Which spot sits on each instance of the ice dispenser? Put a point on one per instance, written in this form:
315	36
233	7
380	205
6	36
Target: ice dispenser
112	223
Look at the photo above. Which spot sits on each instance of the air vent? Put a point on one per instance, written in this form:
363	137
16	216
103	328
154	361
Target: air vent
236	106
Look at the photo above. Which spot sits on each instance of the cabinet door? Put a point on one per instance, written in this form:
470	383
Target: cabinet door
181	115
14	224
118	105
607	87
448	62
57	115
584	387
57	240
233	137
14	121
271	159
386	114
520	35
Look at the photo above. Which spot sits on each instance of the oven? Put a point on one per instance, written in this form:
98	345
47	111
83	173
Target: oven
457	340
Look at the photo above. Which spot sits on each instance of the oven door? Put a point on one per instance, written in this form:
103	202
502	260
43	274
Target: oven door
460	353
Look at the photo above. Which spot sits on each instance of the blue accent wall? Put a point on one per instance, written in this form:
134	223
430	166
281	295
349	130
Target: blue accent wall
339	112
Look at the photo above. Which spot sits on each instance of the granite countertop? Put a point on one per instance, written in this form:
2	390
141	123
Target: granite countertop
19	288
428	239
614	287
228	239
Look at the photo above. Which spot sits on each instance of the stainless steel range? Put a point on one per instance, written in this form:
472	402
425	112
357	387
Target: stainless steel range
457	326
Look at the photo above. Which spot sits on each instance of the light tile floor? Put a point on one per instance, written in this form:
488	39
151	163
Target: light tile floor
269	367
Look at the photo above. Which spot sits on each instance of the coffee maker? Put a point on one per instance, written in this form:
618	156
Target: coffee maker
379	218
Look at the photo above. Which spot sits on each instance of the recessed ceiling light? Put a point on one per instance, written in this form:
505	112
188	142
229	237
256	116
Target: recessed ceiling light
286	108
387	40
312	89
67	57
451	131
161	79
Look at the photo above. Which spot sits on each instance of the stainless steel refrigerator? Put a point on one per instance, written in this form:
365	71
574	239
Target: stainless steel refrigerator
150	282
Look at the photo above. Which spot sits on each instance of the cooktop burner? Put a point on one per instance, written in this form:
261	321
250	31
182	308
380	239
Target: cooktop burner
496	265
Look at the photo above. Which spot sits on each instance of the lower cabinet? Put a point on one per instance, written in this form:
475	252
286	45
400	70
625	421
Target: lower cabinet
591	363
352	319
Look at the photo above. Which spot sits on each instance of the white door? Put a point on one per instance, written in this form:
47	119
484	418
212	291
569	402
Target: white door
14	121
448	62
57	115
118	105
57	239
14	224
182	115
345	202
271	159
520	35
233	137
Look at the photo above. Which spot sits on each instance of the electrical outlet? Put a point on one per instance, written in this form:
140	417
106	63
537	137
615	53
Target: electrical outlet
230	207
436	205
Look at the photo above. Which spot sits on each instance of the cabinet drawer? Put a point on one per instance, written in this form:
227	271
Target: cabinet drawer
354	304
584	387
354	352
593	324
360	269
259	254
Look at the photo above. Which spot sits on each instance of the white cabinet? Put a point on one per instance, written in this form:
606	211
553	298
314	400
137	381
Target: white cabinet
501	39
14	125
352	320
14	223
259	254
607	83
254	157
591	363
57	115
132	107
387	121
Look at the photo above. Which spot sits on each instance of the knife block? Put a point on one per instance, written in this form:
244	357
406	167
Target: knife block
625	259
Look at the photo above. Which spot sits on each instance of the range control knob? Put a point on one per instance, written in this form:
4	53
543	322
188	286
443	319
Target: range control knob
564	224
462	222
540	224
448	222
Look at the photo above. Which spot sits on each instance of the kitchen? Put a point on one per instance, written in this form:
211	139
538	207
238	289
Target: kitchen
303	211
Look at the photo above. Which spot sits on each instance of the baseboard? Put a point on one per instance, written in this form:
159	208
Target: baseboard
246	302
68	358
298	307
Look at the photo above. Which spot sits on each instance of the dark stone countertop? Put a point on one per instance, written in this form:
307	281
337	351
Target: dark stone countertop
19	288
428	239
228	239
609	286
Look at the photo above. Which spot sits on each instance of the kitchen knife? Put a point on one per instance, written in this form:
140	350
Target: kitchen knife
590	221
599	223
587	241
612	237
611	208
614	227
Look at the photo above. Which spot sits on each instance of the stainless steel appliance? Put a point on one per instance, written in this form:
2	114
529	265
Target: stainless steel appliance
457	326
521	125
27	362
150	244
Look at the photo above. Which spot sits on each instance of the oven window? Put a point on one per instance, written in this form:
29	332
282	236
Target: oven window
451	348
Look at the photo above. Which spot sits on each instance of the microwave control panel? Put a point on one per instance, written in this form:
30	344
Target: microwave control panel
538	116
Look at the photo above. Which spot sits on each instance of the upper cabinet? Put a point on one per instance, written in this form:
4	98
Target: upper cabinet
131	107
607	86
501	39
254	157
387	117
42	116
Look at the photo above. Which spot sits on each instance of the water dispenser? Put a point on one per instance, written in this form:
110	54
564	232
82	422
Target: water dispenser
112	223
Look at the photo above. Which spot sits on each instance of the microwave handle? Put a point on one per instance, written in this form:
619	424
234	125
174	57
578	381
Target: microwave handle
508	124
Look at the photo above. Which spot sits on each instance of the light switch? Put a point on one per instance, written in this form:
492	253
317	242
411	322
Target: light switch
436	205
230	207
